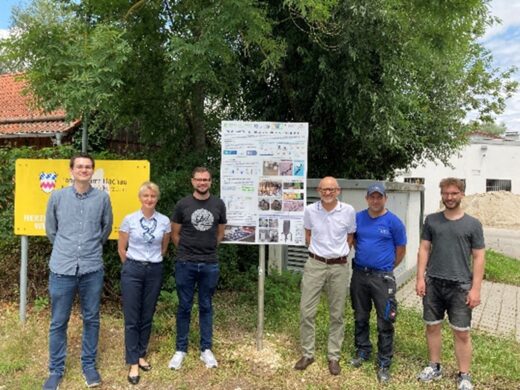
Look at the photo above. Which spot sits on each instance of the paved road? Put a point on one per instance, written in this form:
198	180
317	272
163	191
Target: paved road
499	312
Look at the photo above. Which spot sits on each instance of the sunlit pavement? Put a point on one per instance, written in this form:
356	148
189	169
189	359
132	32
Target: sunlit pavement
499	312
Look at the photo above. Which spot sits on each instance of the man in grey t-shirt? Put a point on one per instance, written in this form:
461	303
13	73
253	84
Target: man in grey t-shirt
447	279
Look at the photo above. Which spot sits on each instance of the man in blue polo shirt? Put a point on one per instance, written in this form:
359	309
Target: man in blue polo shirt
380	243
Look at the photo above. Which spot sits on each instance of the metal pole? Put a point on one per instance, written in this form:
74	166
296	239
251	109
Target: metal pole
23	277
84	134
261	280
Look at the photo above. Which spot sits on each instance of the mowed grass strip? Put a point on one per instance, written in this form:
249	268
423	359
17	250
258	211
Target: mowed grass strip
502	269
23	349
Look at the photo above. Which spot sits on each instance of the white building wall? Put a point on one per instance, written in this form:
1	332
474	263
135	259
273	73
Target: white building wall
477	162
404	200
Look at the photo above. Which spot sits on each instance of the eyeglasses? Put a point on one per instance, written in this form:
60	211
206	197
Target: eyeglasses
325	190
201	180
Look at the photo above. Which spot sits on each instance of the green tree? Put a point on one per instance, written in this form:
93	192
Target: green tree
384	84
70	63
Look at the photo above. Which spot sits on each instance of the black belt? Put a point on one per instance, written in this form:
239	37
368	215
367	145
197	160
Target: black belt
368	270
144	262
336	260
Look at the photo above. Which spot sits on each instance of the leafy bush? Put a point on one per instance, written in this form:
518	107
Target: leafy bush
238	263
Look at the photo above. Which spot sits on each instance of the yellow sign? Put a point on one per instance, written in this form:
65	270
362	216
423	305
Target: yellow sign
36	179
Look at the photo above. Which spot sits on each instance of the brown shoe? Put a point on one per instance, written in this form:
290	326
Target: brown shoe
334	367
303	363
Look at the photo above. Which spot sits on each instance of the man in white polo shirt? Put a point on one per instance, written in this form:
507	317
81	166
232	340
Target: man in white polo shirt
329	232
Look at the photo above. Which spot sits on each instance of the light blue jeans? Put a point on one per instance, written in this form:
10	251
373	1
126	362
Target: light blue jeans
62	290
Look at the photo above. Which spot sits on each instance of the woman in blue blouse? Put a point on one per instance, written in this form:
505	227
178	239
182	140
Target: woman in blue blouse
143	241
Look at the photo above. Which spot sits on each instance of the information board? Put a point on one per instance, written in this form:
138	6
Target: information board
263	181
36	179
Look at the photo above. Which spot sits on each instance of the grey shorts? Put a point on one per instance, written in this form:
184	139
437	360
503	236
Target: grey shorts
447	296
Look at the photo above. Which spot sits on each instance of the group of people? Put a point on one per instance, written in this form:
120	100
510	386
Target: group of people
450	269
79	221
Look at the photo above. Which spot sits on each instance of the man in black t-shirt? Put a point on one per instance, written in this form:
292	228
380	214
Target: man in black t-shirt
198	224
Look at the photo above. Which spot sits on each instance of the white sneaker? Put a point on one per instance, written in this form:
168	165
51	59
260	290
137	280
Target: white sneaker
208	358
176	360
464	382
429	374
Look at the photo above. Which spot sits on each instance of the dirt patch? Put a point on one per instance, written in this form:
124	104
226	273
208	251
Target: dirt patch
498	209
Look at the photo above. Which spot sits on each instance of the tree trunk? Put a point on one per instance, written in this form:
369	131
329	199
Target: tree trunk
198	132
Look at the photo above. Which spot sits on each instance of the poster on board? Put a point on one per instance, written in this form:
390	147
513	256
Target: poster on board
263	181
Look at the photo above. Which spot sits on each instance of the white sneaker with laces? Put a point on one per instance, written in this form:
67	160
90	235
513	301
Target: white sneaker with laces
429	374
464	382
208	358
176	360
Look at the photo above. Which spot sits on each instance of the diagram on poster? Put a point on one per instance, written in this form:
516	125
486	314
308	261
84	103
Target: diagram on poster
263	181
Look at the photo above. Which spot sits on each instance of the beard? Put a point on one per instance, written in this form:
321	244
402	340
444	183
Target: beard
454	204
202	192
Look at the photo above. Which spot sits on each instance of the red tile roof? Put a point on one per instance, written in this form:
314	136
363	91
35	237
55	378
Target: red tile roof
19	118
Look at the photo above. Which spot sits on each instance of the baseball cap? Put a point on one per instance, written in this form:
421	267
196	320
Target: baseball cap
376	187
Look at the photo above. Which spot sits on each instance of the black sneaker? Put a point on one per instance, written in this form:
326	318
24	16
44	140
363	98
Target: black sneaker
383	375
358	361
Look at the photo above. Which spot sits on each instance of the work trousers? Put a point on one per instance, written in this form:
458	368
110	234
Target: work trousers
378	287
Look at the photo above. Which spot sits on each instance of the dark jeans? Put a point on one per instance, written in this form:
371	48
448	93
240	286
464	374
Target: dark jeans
140	287
378	287
62	290
189	275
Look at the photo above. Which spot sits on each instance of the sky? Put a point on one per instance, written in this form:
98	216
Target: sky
502	40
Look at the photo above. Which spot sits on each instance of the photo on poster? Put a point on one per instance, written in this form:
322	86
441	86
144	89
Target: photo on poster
293	205
299	168
276	205
268	235
293	185
263	222
269	188
239	233
286	168
270	168
293	195
264	204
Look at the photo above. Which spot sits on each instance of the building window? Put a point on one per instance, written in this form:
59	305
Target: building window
498	185
414	180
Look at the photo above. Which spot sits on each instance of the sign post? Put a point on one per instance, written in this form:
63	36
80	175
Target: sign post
261	294
23	276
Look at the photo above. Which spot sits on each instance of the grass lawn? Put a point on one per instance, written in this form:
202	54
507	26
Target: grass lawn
23	349
502	269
